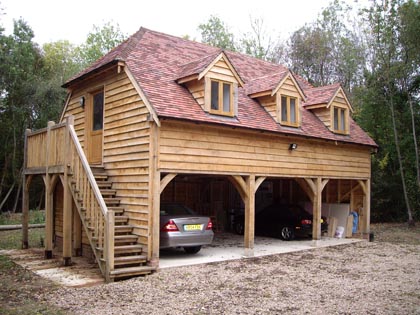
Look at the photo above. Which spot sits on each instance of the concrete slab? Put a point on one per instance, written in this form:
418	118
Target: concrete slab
228	246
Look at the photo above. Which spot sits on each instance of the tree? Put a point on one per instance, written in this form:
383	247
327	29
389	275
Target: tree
61	60
100	41
20	60
392	75
30	95
256	43
328	51
216	33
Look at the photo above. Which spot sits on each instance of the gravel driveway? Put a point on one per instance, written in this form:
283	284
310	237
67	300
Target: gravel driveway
380	277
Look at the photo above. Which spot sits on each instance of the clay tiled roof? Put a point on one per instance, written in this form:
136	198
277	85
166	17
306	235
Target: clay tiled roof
157	60
197	66
266	83
321	95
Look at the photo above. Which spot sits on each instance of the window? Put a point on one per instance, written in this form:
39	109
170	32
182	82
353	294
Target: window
98	111
289	111
340	120
221	98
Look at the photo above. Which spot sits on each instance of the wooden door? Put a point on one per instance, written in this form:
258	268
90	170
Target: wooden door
94	127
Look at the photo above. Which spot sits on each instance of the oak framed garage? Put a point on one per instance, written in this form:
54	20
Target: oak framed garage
158	108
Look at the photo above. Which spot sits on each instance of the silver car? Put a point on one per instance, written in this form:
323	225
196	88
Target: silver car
181	227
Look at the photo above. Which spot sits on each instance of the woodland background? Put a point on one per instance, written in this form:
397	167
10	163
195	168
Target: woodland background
373	53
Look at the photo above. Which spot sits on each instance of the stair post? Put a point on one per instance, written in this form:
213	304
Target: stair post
109	244
49	218
67	201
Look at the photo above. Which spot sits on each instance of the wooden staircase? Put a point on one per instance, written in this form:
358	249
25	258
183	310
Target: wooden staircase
129	260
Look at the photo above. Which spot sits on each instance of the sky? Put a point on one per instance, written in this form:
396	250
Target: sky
53	20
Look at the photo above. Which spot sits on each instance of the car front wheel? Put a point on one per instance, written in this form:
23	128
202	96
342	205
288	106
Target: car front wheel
192	249
287	233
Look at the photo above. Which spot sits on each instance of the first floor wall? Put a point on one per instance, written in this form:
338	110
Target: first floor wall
200	148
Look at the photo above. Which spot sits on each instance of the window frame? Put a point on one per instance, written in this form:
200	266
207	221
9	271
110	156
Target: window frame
342	115
220	110
288	122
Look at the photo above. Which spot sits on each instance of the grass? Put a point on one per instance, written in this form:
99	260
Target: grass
13	239
35	217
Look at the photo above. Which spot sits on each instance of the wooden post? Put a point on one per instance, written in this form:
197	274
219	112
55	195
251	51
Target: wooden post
109	244
48	199
77	234
364	217
366	207
154	197
249	216
317	204
67	200
25	195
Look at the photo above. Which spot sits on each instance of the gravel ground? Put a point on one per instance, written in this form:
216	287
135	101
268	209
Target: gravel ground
381	277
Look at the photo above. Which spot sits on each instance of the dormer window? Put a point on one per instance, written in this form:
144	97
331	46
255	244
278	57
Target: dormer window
289	111
221	99
340	120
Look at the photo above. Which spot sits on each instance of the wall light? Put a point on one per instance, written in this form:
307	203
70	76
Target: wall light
293	146
82	102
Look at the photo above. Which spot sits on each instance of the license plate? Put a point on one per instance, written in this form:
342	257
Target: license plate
192	227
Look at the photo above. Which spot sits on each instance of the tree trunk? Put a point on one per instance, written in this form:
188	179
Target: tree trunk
416	150
7	196
397	146
41	199
17	197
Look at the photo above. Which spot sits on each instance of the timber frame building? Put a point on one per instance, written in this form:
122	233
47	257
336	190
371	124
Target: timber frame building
162	118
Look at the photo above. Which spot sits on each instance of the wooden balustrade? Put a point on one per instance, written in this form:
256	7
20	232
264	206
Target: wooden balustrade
48	152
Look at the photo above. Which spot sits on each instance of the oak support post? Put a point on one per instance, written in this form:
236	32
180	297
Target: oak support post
365	215
317	204
48	199
109	244
77	234
67	201
25	196
154	197
366	206
249	216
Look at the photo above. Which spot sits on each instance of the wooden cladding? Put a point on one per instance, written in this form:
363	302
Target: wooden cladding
207	149
126	141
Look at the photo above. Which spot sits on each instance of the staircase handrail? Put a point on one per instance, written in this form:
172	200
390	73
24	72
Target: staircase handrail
88	171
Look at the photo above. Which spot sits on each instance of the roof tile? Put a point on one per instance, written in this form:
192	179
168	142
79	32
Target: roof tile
157	60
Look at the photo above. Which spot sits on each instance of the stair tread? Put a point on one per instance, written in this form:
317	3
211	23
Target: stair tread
129	258
104	184
107	190
127	271
122	237
116	208
122	247
123	227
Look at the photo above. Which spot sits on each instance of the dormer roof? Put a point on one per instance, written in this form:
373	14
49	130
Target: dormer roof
197	69
325	95
157	61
